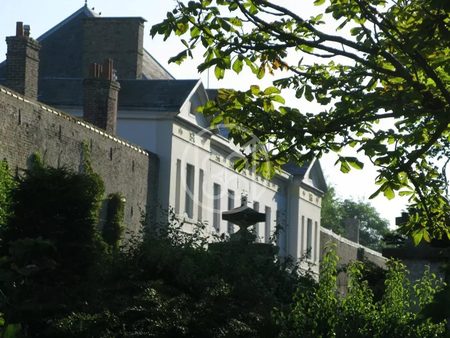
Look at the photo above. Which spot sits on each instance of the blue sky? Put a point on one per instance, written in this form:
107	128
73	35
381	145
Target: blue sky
44	14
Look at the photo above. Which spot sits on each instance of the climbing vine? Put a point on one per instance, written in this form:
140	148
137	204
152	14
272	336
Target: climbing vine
113	228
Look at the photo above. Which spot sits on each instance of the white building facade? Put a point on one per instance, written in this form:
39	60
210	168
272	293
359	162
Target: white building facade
198	181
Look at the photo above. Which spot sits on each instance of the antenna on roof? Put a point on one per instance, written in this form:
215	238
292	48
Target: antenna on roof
85	3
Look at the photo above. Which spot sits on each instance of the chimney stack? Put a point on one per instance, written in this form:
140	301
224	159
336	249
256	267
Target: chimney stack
101	91
22	62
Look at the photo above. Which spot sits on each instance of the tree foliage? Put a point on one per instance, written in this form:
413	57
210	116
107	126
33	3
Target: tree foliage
336	211
320	312
50	245
57	279
387	61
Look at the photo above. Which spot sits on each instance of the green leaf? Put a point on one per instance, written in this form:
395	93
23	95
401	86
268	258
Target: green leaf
345	168
417	236
355	163
279	99
299	92
261	72
319	2
271	90
219	72
195	31
12	331
308	94
236	22
254	89
266	169
388	192
237	65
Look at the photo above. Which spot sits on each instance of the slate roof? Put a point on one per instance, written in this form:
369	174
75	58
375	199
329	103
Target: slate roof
162	95
61	52
296	170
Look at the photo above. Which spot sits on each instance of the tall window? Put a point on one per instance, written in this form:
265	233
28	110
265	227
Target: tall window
316	235
302	236
216	215
230	206
189	201
278	227
177	187
309	234
257	225
200	194
267	228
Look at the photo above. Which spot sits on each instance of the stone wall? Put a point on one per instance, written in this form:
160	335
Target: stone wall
347	252
29	127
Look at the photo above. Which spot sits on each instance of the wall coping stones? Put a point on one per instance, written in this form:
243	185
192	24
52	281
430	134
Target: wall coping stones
75	120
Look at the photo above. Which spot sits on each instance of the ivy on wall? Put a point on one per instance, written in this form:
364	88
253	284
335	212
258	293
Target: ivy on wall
114	228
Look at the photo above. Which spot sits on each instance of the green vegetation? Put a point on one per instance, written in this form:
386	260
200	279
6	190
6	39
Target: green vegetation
114	228
58	279
381	84
320	312
6	185
336	211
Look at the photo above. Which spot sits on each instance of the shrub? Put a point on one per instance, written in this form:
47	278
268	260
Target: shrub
320	312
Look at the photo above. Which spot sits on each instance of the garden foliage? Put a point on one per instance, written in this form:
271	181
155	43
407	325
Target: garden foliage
59	279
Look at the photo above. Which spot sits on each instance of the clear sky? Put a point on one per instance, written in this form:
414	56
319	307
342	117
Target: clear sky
44	14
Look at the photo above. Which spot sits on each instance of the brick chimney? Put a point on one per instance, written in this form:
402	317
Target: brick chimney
22	62
101	91
121	39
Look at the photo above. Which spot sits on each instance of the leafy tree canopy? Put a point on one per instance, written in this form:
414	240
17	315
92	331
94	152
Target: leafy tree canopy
336	211
392	65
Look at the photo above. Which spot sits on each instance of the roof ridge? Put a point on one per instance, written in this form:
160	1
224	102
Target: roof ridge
82	10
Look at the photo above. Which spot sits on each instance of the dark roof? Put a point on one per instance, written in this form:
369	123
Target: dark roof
295	169
62	48
153	94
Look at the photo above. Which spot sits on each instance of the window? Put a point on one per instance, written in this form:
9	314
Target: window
268	220
216	216
309	233
257	226
316	234
200	194
302	237
177	187
230	206
278	227
189	201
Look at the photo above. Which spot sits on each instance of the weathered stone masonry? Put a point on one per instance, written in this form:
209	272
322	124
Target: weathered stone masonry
29	127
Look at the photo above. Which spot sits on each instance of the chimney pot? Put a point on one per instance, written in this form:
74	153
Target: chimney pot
22	62
100	97
19	28
26	30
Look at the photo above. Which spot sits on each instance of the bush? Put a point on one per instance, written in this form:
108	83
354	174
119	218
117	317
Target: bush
51	248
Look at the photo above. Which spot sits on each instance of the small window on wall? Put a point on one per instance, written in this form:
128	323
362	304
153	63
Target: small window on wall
268	221
216	204
201	175
177	187
309	234
189	205
230	206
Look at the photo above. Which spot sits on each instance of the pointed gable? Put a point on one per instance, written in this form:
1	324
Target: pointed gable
309	173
